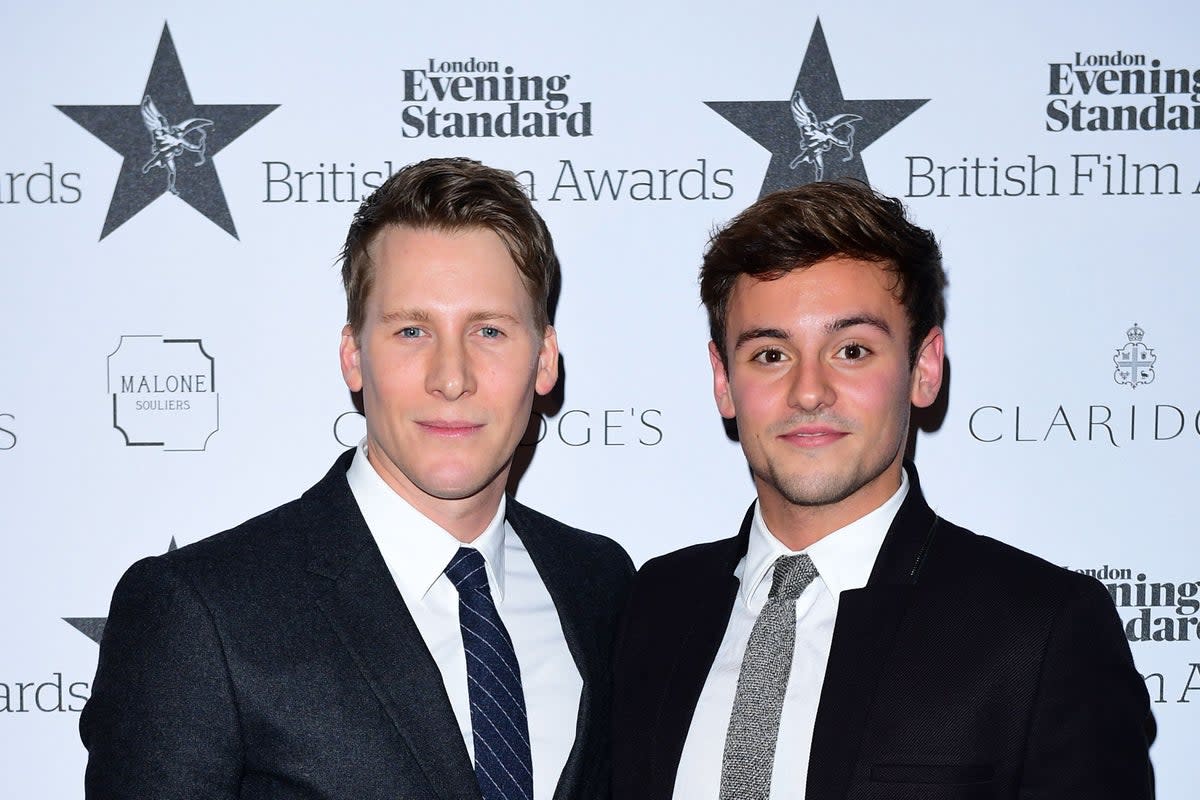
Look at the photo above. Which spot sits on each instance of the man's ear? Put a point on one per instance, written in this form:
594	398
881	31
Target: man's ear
547	364
350	355
927	371
721	390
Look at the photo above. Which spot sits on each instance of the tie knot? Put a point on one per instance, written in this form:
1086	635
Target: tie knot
792	576
466	570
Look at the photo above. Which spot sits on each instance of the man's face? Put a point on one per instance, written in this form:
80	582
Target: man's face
819	381
448	361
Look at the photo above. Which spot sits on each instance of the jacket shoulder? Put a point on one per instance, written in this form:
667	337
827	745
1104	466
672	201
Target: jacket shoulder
962	556
695	564
269	532
281	534
591	548
256	564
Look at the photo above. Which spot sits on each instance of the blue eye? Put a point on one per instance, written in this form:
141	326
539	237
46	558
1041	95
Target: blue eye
409	332
490	332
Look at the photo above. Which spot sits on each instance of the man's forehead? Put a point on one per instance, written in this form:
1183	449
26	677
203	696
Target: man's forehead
831	295
393	231
843	274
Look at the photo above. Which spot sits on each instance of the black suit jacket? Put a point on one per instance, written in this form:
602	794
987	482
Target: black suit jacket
278	660
964	669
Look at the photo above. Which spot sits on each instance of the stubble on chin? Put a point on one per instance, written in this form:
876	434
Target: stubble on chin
815	485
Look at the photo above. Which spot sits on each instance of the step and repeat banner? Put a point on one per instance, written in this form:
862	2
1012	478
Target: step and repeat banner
176	180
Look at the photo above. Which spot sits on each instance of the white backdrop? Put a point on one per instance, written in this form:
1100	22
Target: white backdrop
1052	260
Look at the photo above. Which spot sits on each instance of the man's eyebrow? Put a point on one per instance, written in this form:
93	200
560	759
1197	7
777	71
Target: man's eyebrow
834	326
420	315
760	333
487	316
404	315
859	319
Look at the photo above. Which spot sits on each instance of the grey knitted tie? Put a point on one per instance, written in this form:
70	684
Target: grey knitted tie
762	683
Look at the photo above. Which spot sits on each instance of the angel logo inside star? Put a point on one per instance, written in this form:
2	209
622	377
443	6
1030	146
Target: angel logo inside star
185	139
818	125
170	141
819	137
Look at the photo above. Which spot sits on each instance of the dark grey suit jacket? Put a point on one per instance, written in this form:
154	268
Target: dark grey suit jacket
277	659
965	669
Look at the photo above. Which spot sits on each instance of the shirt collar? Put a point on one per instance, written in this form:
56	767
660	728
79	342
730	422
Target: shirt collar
414	547
843	559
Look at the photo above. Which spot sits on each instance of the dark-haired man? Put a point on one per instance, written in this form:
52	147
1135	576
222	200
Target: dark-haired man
848	642
403	630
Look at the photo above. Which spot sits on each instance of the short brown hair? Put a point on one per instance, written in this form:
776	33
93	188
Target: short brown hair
797	228
451	194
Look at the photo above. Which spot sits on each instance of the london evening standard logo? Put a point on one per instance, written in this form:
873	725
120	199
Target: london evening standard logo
1121	91
1088	93
478	98
167	143
1158	611
164	392
816	134
1152	610
1103	422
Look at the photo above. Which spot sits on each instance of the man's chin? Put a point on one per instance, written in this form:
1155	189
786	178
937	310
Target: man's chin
451	491
456	484
814	497
814	490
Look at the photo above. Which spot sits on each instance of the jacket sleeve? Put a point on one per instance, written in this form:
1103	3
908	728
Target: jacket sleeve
1088	733
162	721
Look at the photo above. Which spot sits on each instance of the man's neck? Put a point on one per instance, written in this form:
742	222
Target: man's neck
799	526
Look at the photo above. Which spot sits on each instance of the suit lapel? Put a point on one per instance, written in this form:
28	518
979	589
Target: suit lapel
561	578
866	626
359	598
711	601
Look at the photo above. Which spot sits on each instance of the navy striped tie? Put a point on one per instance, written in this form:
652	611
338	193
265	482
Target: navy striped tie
503	762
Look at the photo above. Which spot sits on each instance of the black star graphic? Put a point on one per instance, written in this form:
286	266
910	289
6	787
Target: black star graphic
771	124
144	170
93	627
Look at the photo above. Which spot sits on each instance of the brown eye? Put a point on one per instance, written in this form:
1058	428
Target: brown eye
771	356
854	352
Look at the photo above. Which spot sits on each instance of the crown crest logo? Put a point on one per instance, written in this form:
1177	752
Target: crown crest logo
1134	360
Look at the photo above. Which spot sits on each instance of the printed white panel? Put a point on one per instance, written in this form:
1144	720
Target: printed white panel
176	182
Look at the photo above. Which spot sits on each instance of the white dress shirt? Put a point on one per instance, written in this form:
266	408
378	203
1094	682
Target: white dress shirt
417	551
843	560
